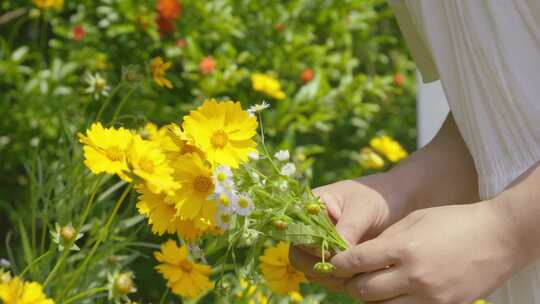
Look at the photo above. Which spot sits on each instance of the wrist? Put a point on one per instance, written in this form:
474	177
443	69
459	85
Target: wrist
509	231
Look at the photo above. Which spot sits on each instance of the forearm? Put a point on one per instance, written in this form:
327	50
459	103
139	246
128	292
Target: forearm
440	173
518	210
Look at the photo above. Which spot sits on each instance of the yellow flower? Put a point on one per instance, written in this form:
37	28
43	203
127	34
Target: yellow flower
184	277
150	164
105	149
295	297
47	4
195	179
16	291
223	131
268	85
481	302
278	272
162	215
174	142
390	148
370	160
158	67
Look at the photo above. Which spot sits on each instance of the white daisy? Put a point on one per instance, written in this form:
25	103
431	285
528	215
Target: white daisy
288	169
97	85
243	205
282	155
223	176
224	218
225	199
253	156
258	108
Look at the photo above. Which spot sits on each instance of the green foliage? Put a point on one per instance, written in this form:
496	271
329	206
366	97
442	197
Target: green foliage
353	48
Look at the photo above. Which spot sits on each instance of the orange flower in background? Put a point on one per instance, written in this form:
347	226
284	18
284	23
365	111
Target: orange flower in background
159	67
181	43
78	33
169	9
207	65
399	79
307	75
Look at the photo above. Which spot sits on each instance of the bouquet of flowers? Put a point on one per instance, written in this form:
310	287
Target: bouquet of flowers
211	180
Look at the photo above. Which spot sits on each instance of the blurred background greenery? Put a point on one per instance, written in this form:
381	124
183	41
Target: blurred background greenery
343	68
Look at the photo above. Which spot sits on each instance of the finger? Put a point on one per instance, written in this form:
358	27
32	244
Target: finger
328	282
333	208
314	251
369	256
353	224
405	299
376	286
303	261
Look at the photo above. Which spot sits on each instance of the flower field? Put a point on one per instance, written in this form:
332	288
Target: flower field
165	151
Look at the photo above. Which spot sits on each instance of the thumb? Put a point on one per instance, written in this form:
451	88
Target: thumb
354	223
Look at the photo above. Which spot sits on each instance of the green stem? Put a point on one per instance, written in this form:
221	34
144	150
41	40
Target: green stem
121	104
85	294
107	101
65	253
34	262
164	296
100	239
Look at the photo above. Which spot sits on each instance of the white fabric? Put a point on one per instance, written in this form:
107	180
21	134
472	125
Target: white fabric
487	56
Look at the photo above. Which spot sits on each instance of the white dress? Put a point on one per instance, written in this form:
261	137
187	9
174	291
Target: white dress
487	55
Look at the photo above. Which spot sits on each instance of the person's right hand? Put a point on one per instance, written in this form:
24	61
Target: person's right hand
361	210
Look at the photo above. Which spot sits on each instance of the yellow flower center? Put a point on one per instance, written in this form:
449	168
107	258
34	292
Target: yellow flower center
186	266
242	202
146	165
202	183
224	200
225	218
219	139
221	177
100	84
114	153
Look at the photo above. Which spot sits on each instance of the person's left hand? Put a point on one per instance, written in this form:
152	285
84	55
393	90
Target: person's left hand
453	255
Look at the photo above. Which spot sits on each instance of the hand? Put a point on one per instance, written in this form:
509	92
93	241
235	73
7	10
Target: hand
361	209
453	254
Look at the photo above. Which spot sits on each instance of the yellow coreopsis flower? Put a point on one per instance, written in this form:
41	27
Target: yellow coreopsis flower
48	4
389	147
150	164
184	277
16	291
192	202
268	85
159	67
370	160
277	270
481	302
162	215
105	149
223	131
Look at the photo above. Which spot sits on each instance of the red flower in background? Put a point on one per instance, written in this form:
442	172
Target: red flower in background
169	9
165	26
307	75
399	79
78	33
207	65
279	27
181	43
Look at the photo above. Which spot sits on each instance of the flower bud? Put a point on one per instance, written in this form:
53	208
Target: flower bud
124	283
313	208
323	267
68	233
279	223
